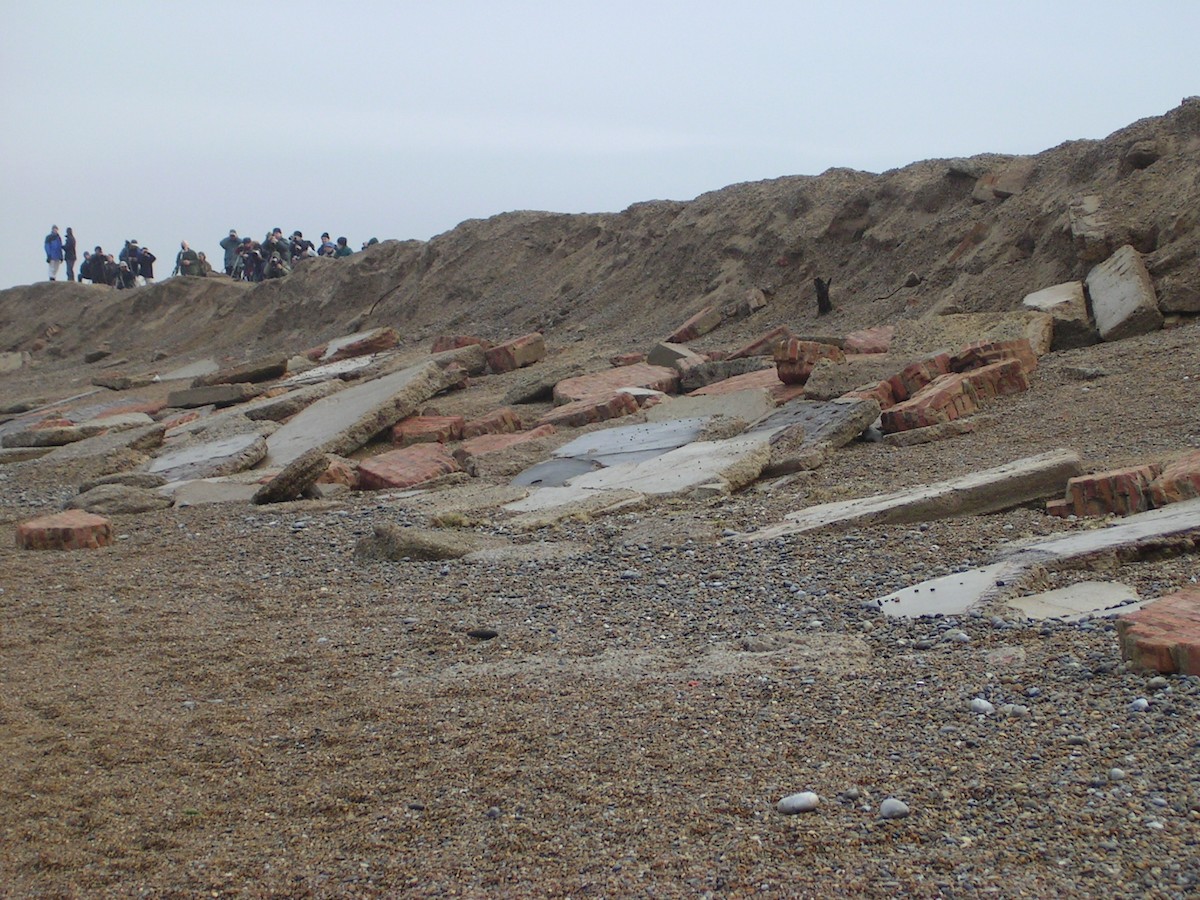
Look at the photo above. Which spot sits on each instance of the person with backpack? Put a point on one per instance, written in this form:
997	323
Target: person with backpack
69	256
54	252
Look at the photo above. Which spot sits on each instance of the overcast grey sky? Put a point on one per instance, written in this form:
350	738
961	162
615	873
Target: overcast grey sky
165	120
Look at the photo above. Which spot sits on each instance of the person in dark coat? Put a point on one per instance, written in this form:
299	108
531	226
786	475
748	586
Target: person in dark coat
85	267
54	252
69	256
146	265
230	245
126	278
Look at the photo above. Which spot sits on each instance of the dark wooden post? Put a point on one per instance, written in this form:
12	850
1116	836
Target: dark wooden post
823	304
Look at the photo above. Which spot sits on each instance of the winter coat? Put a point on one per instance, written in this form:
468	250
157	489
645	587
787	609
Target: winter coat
187	262
54	247
343	251
230	245
69	248
146	265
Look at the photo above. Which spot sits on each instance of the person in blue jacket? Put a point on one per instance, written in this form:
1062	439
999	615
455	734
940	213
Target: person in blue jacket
54	252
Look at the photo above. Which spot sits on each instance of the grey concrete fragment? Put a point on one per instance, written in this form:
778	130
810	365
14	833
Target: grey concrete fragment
804	432
343	422
141	440
118	381
276	409
191	370
1123	300
1066	302
266	368
216	395
210	459
1089	228
295	478
144	480
50	437
712	371
1078	600
931	433
12	360
536	385
118	499
204	491
749	406
392	542
22	454
991	490
667	354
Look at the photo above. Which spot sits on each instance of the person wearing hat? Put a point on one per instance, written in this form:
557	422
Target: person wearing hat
300	247
327	246
230	245
54	252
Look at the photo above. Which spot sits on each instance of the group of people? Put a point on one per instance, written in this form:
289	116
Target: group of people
134	265
245	259
274	256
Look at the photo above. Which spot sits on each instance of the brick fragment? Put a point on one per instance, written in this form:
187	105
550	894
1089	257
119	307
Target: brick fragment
701	323
428	429
763	345
498	421
517	353
597	408
406	467
1164	636
984	353
73	529
494	443
879	391
869	340
638	375
1179	480
1119	492
917	375
627	359
781	393
794	358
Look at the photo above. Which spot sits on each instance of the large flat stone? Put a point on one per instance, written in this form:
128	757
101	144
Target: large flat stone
141	440
1067	304
214	395
266	368
210	459
1074	602
343	422
749	406
1123	300
991	490
639	375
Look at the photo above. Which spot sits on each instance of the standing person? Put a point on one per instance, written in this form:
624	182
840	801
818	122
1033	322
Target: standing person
54	252
69	256
186	261
146	265
230	245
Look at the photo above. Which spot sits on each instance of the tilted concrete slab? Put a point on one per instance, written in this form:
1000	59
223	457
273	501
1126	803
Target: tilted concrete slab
1003	582
990	490
749	405
191	370
735	461
210	459
1123	299
339	369
343	422
634	443
143	439
554	472
1074	602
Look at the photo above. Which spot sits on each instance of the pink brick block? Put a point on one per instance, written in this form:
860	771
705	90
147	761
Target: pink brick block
517	353
1179	480
428	429
70	530
638	375
1164	636
591	409
406	467
499	421
701	323
794	359
494	443
870	340
763	378
1119	491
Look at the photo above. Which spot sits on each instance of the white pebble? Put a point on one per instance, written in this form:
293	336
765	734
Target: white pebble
805	801
1141	704
891	808
982	707
1116	774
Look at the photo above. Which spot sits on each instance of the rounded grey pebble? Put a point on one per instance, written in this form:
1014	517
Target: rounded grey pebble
1116	774
891	808
1157	683
982	707
805	801
1141	704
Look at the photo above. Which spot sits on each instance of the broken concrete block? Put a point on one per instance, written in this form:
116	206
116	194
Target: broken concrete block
70	530
267	368
22	454
763	345
991	490
639	375
869	340
111	444
294	479
210	459
445	342
1178	480
1074	602
537	385
1119	492
364	343
700	324
499	421
1067	305
118	499
214	395
517	353
929	433
53	435
1123	300
748	406
144	480
1164	636
1089	228
284	406
394	543
428	429
794	359
345	421
668	355
406	467
705	373
595	408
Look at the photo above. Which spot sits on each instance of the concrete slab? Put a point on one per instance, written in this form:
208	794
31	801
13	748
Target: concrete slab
343	422
141	439
749	405
735	461
339	369
991	490
554	472
210	459
1001	582
1067	304
363	343
634	443
191	370
1084	598
1123	300
643	375
214	395
235	489
574	505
